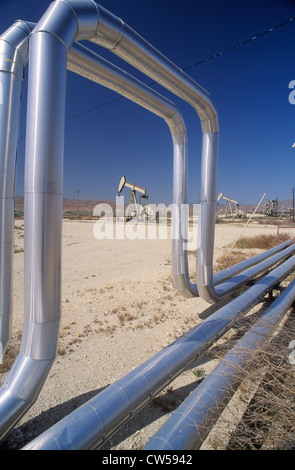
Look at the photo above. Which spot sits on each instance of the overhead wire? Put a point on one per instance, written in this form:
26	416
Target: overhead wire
189	67
225	51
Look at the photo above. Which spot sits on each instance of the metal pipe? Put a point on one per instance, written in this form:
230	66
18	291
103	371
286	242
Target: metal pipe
179	261
237	281
117	36
62	23
13	57
90	65
86	63
49	43
42	229
190	424
33	334
114	34
90	425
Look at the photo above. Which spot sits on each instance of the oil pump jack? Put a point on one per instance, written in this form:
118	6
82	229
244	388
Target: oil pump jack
237	213
136	209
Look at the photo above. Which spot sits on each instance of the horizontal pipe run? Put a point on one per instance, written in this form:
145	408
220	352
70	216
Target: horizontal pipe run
39	340
95	421
115	35
86	63
190	424
245	276
61	24
90	65
232	278
237	268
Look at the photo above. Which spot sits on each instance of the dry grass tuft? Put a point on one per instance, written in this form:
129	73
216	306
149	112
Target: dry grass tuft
268	422
262	242
233	258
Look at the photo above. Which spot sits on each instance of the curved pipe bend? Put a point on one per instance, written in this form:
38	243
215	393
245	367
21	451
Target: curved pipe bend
86	19
115	35
84	62
39	341
50	41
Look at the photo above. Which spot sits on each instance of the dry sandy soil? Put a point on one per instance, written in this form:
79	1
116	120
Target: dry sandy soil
119	308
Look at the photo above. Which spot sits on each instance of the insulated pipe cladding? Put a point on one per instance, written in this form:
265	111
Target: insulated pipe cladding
50	42
31	368
101	27
94	422
88	64
38	347
189	425
43	207
13	57
115	35
179	255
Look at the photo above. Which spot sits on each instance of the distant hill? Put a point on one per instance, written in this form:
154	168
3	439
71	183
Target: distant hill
87	205
70	205
283	206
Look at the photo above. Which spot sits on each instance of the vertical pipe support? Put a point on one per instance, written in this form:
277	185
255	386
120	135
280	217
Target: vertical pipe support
13	57
53	36
88	64
117	36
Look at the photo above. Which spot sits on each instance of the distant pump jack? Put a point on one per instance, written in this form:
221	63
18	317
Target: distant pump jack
271	207
238	212
135	209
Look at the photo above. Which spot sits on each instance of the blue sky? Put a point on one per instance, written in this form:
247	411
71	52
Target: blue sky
249	87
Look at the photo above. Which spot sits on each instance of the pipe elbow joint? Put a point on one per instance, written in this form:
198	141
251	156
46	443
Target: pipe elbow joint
208	294
70	21
14	48
181	285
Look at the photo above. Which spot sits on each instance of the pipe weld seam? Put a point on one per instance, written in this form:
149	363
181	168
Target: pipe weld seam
52	34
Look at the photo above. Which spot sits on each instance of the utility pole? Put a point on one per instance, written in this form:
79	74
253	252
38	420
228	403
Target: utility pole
78	192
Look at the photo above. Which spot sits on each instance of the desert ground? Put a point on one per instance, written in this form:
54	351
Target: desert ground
119	307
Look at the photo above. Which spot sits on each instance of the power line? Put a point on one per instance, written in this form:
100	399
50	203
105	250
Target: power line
239	45
189	67
94	108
